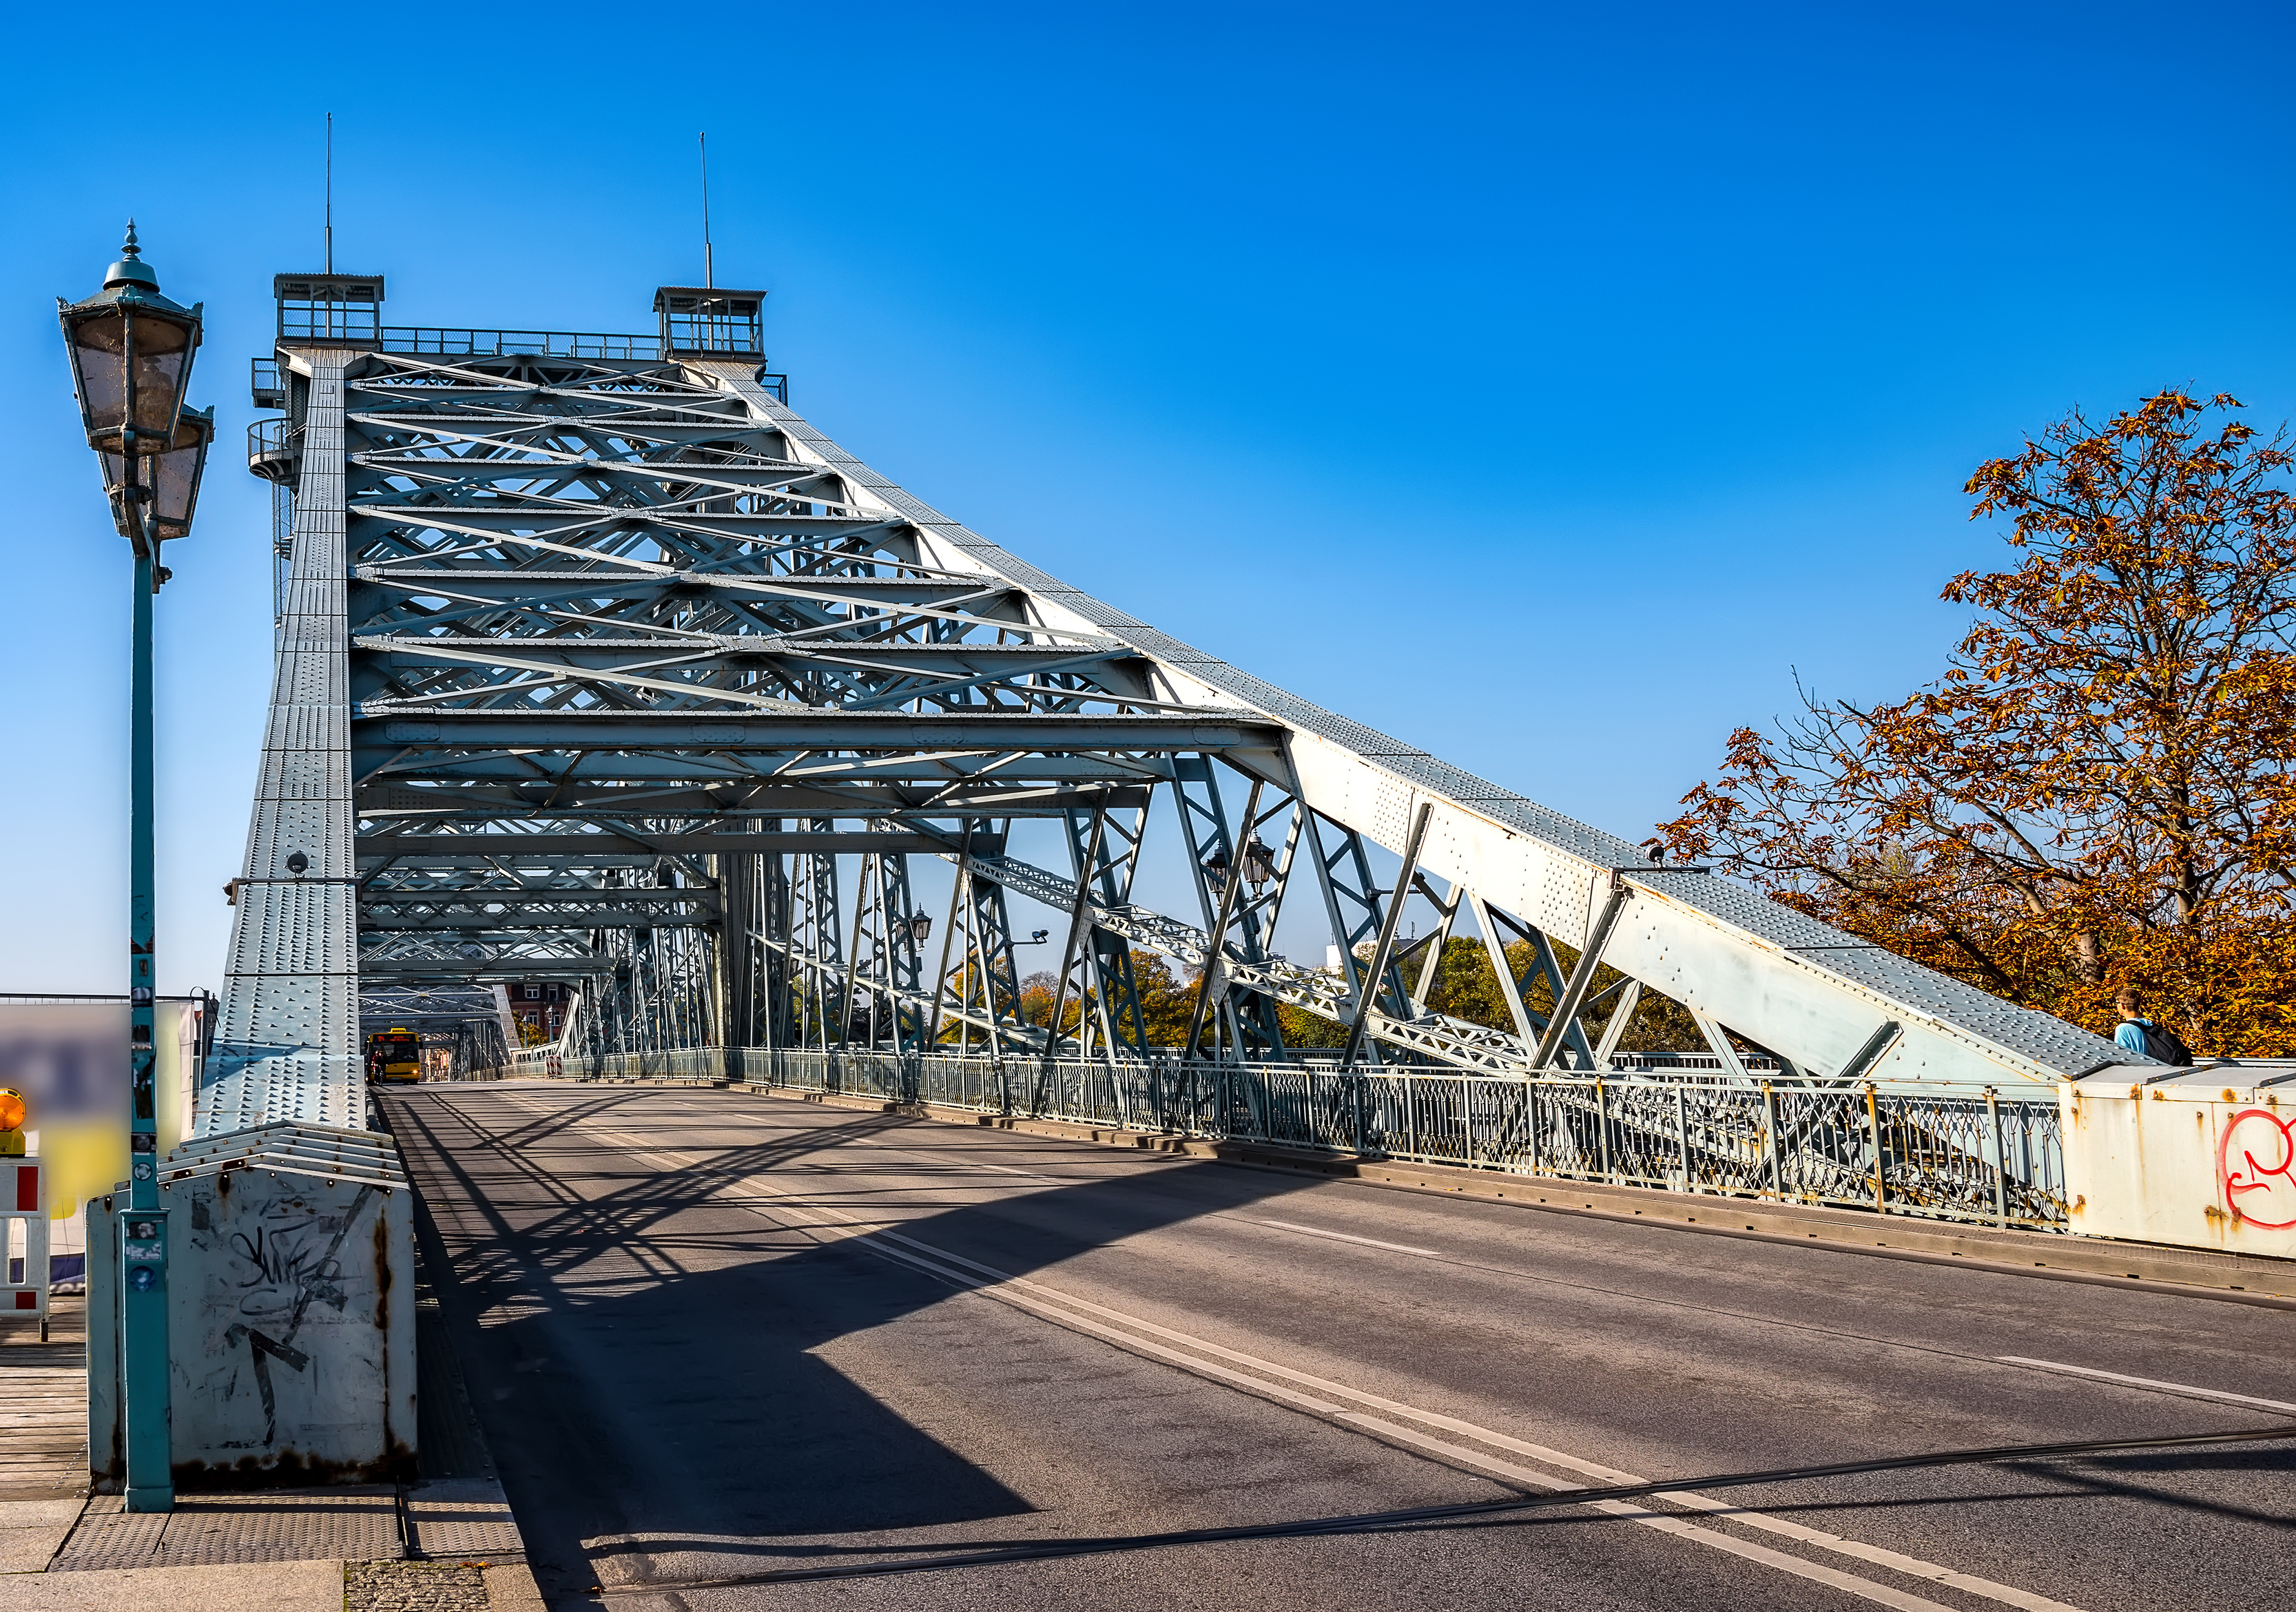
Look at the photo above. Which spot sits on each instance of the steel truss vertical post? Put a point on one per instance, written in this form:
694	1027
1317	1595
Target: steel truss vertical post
991	932
815	939
1216	948
1355	889
1383	949
904	958
1247	1022
848	983
1080	925
957	916
773	956
1106	857
738	876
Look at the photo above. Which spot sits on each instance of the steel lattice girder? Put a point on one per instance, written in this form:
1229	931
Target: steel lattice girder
635	610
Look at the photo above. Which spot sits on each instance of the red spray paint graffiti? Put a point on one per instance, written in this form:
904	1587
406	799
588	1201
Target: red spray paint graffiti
2257	1163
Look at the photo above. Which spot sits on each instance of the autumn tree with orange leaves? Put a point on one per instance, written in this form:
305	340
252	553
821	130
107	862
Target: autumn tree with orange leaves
2101	789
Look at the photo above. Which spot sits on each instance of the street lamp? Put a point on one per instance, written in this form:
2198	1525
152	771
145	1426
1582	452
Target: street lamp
920	928
131	356
131	352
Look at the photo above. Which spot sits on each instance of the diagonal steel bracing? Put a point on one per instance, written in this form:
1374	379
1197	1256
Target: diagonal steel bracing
614	669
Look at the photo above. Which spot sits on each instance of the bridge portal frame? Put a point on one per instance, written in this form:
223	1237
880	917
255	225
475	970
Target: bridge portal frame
585	593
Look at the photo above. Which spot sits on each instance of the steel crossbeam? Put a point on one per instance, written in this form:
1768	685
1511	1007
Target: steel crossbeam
613	668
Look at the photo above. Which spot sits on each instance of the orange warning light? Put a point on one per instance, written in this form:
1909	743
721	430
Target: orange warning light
12	1109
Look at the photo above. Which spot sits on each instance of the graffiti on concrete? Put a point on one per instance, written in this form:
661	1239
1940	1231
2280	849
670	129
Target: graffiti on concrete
290	1260
2255	1162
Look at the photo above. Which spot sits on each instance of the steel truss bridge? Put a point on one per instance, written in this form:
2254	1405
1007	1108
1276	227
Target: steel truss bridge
598	664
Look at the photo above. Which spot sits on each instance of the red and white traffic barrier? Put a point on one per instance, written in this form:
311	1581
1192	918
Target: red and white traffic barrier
24	1196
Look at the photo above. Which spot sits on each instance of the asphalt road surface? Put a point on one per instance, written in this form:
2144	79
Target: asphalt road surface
717	1340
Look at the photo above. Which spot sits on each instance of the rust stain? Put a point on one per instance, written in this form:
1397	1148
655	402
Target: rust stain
382	1316
293	1470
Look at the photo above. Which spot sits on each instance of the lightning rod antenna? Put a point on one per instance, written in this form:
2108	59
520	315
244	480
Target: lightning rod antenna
331	193
708	265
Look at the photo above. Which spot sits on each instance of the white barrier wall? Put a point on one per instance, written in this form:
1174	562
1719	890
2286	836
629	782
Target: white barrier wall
2192	1161
291	1311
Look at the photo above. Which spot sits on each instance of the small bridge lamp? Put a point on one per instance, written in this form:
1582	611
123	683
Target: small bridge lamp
920	928
1258	864
1215	869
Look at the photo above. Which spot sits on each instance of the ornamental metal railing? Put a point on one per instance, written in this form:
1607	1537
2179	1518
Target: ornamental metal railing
440	342
1969	1157
443	343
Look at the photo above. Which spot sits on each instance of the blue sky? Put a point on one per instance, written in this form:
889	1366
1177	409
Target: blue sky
1542	386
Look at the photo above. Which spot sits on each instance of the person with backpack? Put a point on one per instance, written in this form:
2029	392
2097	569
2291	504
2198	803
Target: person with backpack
2139	1035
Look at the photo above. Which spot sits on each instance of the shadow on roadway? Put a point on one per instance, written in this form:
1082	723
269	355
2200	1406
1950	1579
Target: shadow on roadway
657	1400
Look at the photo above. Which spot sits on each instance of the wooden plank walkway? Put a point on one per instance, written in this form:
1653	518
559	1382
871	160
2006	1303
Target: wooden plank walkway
44	1405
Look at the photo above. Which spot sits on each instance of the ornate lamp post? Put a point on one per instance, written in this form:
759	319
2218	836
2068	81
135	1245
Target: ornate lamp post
131	354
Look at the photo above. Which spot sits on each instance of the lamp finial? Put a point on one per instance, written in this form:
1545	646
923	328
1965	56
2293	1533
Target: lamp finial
131	270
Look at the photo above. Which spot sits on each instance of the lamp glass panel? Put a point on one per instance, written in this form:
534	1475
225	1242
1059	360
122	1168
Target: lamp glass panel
160	377
175	483
173	477
99	375
163	356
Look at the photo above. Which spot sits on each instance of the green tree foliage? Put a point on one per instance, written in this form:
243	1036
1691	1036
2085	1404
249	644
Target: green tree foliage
2099	788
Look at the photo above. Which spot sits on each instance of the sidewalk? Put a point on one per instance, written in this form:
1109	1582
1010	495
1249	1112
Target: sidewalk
444	1543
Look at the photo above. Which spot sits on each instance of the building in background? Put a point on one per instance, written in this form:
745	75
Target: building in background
539	1007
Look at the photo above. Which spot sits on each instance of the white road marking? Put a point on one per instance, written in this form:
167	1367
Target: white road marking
969	1164
1368	1242
2186	1389
1140	1336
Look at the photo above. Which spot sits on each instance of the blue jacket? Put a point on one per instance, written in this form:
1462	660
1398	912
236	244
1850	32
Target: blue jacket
2131	1036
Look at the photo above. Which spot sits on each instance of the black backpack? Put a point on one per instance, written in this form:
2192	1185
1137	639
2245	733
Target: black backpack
2162	1046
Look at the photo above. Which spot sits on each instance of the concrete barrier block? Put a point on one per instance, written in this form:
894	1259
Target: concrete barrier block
2189	1162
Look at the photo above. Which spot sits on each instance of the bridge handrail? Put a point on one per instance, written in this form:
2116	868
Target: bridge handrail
1971	1157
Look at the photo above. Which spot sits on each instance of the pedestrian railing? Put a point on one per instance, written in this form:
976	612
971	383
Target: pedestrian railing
1971	1157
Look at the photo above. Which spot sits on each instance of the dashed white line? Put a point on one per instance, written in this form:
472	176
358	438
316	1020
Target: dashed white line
1368	1242
2121	1379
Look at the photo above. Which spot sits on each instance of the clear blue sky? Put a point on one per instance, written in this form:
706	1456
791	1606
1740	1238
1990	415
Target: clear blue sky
1541	387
